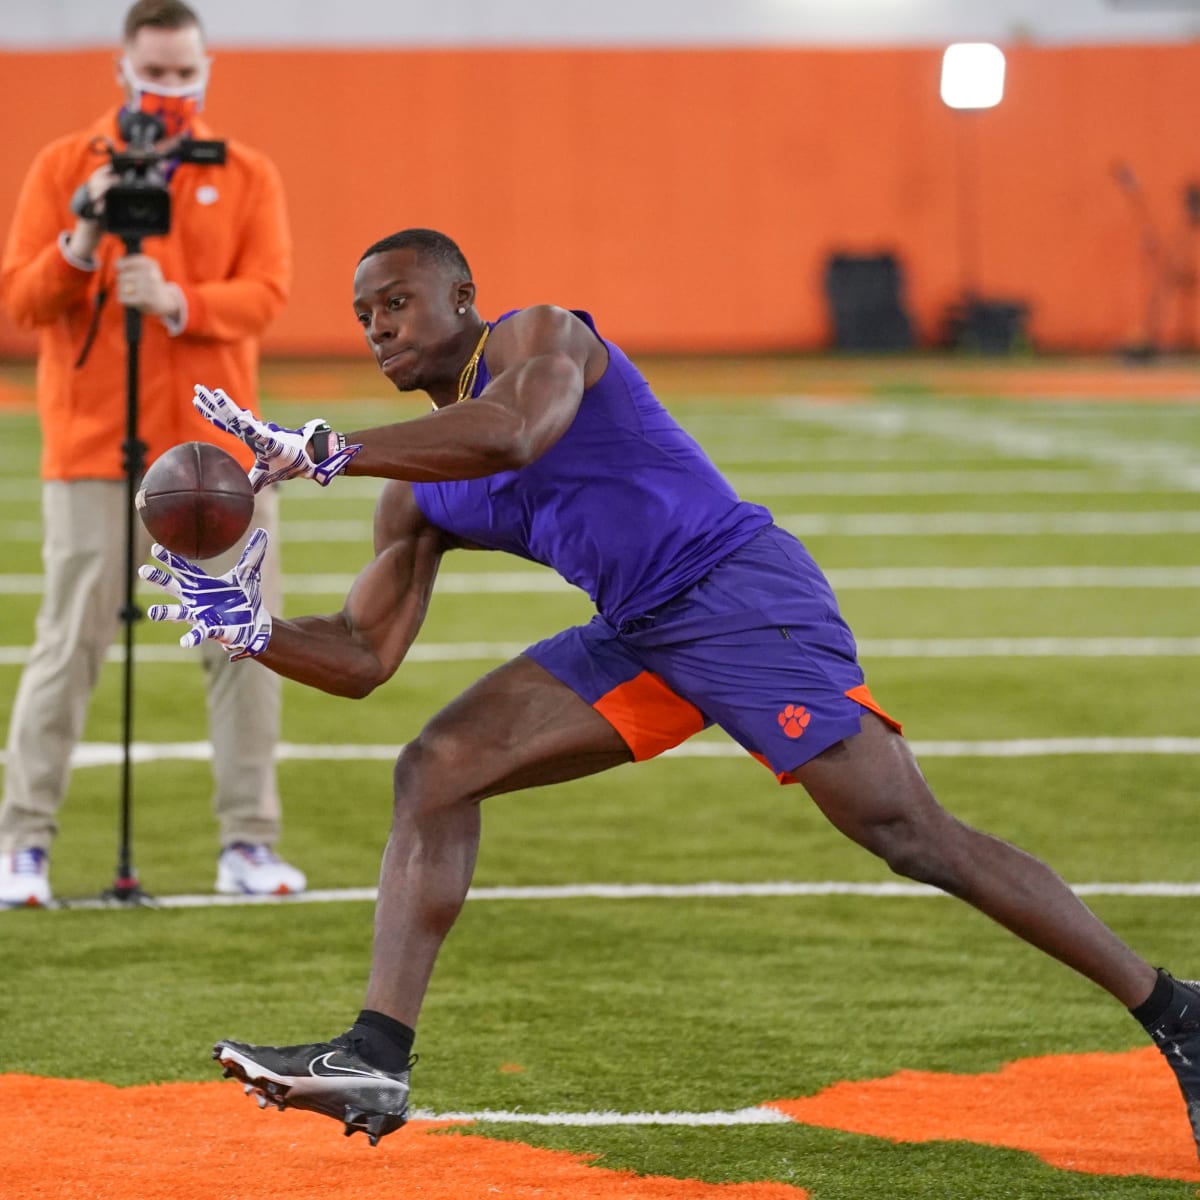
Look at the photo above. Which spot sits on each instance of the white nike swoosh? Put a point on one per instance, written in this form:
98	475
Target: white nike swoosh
331	1069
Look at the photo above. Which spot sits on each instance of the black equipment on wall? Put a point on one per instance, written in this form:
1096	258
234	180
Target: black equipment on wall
1170	272
866	302
988	326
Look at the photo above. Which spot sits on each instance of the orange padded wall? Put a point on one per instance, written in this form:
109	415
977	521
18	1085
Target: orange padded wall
689	198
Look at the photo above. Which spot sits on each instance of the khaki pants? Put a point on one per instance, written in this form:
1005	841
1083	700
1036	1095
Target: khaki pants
83	553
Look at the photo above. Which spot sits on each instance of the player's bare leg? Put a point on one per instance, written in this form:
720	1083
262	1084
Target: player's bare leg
870	787
517	727
872	790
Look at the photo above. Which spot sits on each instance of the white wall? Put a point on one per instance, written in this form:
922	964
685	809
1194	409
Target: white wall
34	23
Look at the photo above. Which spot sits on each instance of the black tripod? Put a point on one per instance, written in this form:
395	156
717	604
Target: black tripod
126	888
1147	342
138	206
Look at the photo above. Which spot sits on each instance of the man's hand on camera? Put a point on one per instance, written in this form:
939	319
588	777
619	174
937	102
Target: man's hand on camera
140	285
279	453
88	205
226	608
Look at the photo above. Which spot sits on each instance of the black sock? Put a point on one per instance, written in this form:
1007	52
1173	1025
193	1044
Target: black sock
385	1042
1155	1006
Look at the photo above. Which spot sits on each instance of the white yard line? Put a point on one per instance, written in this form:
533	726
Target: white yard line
995	748
988	578
958	524
985	524
1030	647
28	487
432	652
883	890
762	1115
806	479
802	482
467	583
535	580
103	754
923	648
1152	462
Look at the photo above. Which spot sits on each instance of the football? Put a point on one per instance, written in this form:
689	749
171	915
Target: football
196	500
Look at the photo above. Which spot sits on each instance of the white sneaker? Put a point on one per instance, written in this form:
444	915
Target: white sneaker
25	878
253	870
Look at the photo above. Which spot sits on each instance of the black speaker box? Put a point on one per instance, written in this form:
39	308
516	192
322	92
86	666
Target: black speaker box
866	302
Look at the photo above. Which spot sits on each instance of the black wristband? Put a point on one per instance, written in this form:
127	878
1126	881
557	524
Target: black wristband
325	442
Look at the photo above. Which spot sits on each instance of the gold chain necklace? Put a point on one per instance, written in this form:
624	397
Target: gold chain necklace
466	380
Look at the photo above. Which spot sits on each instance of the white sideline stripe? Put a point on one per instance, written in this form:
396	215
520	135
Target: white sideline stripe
1154	461
465	583
875	578
884	890
976	524
1014	748
433	652
29	487
1035	647
961	524
950	483
104	754
803	482
925	648
844	579
742	1116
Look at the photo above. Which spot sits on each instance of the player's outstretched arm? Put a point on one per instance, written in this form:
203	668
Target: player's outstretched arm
352	652
348	653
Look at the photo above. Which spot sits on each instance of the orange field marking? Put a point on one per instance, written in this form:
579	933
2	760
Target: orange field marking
64	1139
1101	1114
69	1139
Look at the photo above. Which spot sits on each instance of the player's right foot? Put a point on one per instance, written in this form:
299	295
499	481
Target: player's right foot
1177	1035
325	1077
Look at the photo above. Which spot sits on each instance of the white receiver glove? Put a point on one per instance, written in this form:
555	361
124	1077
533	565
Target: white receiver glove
226	608
280	453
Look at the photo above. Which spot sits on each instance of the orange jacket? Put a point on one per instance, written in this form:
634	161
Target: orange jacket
229	250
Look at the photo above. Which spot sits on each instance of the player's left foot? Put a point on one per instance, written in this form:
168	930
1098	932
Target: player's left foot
1177	1035
325	1077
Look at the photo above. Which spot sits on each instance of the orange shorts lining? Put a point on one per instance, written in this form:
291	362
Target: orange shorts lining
648	715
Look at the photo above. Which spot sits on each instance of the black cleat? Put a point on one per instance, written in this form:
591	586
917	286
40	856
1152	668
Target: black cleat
1177	1035
324	1077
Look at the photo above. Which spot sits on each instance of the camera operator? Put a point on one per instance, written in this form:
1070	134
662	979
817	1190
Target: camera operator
207	287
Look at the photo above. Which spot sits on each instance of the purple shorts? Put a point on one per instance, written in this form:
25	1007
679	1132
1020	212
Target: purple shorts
757	647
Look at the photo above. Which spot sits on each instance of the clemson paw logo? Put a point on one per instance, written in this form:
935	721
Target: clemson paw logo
794	720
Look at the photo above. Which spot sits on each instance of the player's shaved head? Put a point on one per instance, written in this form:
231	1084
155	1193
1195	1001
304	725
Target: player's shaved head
429	244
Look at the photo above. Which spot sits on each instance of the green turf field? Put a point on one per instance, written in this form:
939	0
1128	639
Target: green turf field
1017	573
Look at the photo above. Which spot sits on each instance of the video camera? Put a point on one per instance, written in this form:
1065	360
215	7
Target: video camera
139	206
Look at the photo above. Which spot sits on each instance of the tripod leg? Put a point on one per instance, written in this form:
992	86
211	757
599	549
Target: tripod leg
126	888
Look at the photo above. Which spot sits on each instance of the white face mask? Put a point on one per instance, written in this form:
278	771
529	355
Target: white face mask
175	107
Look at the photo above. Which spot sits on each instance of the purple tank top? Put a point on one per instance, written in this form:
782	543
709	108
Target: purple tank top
625	505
